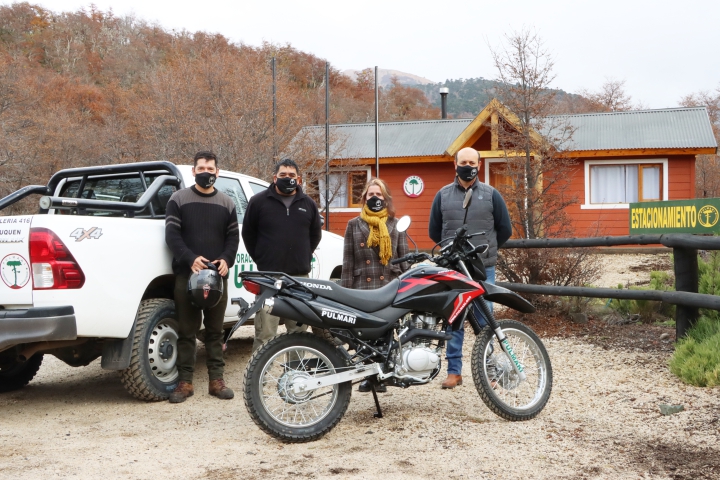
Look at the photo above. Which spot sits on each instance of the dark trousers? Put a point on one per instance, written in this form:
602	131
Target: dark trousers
190	318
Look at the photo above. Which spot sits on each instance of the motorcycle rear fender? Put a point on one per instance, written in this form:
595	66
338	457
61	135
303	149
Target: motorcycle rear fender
508	298
295	310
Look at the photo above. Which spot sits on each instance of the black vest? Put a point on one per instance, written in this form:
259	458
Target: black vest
479	216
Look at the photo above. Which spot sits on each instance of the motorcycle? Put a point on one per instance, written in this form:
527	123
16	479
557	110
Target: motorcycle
297	387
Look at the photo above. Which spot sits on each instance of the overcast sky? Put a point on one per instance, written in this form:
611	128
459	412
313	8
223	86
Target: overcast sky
662	49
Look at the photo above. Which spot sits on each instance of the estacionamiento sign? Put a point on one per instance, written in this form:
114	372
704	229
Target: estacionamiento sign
676	216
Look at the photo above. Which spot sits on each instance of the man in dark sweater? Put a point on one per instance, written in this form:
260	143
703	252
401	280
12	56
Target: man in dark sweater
487	213
281	230
200	227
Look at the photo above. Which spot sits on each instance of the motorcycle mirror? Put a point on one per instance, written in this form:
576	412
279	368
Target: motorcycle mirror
468	198
403	223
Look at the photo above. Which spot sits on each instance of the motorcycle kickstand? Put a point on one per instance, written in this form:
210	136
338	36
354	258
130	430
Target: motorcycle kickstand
377	414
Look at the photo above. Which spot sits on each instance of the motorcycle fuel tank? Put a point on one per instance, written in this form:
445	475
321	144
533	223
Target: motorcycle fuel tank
436	289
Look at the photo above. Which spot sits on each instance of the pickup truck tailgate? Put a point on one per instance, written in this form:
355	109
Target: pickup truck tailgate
15	271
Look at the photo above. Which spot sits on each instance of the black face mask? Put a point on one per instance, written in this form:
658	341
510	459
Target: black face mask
467	173
205	179
286	185
375	203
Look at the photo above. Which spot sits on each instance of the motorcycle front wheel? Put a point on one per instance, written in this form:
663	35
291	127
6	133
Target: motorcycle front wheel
276	407
498	383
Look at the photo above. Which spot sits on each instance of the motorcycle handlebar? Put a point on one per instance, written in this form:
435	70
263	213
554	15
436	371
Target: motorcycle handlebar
410	257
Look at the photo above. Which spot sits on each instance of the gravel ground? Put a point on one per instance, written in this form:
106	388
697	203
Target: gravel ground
602	422
629	270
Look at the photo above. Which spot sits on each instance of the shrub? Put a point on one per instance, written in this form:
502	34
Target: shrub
565	267
697	356
647	310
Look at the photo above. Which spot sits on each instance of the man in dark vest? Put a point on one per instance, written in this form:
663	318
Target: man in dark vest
487	213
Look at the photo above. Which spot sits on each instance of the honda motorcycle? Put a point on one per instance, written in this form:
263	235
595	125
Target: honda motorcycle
297	386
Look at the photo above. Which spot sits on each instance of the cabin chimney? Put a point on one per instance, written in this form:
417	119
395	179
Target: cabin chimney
443	102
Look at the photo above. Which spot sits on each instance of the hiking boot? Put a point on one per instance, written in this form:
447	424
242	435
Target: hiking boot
182	392
452	381
218	389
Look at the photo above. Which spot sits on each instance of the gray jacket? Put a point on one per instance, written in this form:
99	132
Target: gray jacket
487	213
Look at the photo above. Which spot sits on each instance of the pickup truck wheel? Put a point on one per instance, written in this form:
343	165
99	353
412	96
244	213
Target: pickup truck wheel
152	374
15	374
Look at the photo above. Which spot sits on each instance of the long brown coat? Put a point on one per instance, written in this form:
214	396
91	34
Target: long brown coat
361	265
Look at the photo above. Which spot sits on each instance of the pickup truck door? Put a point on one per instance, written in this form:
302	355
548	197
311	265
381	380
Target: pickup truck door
231	187
15	270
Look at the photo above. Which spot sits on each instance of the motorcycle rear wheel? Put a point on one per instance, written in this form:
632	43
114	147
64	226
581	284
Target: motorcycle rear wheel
269	398
496	380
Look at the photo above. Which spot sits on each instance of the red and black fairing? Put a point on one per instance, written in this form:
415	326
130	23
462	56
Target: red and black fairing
437	290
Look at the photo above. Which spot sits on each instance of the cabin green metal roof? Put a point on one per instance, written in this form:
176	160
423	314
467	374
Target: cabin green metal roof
670	128
641	129
396	139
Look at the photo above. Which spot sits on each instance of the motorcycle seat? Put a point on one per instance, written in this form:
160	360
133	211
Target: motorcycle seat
364	300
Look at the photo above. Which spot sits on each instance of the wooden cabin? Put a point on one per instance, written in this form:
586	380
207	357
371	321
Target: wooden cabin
618	158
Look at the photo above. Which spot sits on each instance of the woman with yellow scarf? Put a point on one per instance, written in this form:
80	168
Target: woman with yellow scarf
371	241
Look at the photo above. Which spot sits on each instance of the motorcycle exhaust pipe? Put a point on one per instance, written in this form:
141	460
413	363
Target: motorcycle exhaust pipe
420	332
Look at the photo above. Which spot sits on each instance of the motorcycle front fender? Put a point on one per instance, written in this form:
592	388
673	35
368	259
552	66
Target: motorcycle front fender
508	298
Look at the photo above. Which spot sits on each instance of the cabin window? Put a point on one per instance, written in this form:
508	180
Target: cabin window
625	183
617	183
345	189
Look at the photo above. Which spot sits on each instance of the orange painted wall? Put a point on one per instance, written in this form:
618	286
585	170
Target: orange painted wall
586	222
601	222
434	175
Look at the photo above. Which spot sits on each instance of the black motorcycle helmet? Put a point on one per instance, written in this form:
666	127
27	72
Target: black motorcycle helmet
205	287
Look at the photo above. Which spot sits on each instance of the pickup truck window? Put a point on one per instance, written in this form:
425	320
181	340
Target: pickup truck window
119	189
232	188
257	188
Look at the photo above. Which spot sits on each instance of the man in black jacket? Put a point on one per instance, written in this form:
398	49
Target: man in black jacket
281	230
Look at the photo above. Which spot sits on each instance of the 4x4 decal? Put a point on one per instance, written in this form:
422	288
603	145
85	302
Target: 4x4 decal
80	234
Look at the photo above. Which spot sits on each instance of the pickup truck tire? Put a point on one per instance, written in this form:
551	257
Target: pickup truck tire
152	374
16	374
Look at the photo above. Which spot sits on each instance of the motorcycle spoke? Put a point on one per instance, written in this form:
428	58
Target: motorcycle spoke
277	380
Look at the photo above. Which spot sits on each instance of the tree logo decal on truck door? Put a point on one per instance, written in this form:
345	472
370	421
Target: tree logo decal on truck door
15	271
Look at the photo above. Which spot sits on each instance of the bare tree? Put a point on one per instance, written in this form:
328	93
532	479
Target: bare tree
538	172
611	97
707	167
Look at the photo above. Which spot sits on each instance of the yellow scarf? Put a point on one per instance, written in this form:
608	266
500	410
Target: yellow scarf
377	221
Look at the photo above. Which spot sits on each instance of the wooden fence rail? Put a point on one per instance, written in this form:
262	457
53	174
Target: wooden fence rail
685	297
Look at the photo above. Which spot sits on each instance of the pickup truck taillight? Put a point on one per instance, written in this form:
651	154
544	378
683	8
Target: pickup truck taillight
53	266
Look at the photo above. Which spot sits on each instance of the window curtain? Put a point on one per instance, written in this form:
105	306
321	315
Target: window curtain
613	183
651	183
338	190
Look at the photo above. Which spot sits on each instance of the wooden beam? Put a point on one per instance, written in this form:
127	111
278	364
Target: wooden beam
638	152
494	107
463	140
502	153
494	131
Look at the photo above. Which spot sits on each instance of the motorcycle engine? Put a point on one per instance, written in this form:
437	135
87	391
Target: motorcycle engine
419	359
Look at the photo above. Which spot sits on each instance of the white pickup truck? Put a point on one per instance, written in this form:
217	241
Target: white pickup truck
89	276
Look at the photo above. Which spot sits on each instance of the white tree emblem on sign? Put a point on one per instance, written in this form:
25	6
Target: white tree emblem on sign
80	234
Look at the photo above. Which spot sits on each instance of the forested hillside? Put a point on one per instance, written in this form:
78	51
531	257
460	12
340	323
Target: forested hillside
87	87
468	96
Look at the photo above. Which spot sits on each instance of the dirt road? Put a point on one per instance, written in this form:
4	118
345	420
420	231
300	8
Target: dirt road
602	421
